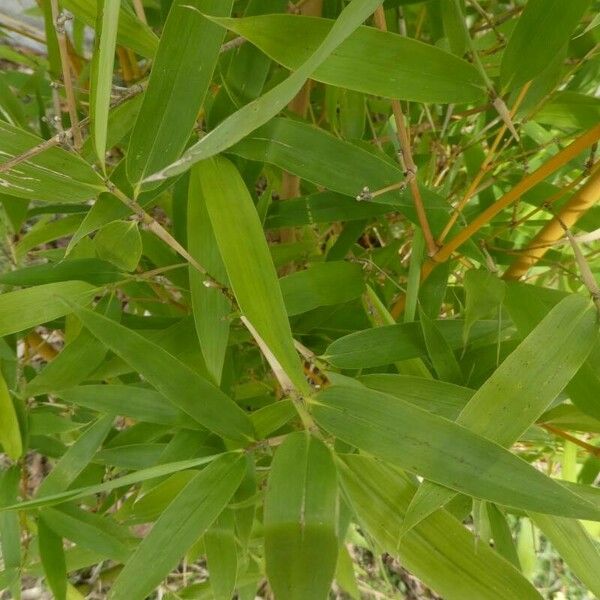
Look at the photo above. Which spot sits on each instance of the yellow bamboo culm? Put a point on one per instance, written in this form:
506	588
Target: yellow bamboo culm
553	231
567	154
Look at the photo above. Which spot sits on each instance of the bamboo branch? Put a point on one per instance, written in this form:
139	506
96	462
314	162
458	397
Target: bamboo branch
563	157
408	163
553	231
593	450
473	187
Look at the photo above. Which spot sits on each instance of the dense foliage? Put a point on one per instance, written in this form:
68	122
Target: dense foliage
299	300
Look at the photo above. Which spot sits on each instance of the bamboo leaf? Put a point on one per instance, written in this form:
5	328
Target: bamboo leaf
52	556
322	284
131	32
76	458
524	385
245	253
261	110
102	73
392	343
10	432
204	402
33	306
179	81
441	451
211	308
439	550
221	555
178	527
444	362
301	504
55	175
363	61
543	28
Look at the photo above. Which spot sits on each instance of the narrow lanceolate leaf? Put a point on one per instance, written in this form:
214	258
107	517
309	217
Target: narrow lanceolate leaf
441	451
440	551
574	545
10	433
52	556
33	306
322	284
90	530
442	357
102	72
543	28
204	402
179	526
300	519
76	360
368	61
524	385
10	531
76	458
55	175
139	403
246	256
131	32
182	71
261	110
211	308
221	555
391	343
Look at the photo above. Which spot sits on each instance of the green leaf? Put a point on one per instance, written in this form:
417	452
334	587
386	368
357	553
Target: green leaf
442	357
524	385
10	433
102	73
542	30
438	397
322	284
36	305
300	519
89	530
178	84
125	480
131	32
76	458
441	451
178	527
440	550
54	175
129	401
221	555
299	148
76	360
365	60
52	556
204	402
90	270
574	545
261	110
10	531
392	343
485	293
246	256
211	308
120	243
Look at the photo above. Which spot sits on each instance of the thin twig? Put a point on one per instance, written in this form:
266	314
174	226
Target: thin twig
571	438
482	170
62	136
406	154
24	29
59	24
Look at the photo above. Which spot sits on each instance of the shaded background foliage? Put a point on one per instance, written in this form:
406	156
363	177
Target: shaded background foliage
299	299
